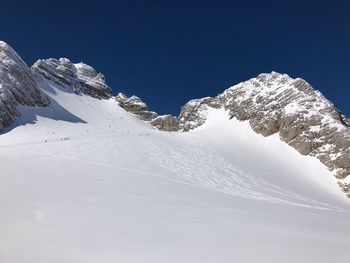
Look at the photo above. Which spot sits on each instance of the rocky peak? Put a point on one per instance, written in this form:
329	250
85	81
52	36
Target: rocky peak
80	78
303	117
17	86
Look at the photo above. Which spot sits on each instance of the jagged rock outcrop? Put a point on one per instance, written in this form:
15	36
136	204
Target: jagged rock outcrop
91	82
303	117
18	86
166	123
194	112
136	106
80	78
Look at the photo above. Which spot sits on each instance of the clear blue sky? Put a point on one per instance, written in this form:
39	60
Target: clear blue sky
168	52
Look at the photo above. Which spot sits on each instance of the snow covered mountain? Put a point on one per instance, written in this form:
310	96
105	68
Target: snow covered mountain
271	103
89	177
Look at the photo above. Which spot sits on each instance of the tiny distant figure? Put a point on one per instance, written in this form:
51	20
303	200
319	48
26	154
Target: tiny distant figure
45	141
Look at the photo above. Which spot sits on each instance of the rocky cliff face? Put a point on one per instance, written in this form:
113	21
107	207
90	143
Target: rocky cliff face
80	78
18	86
303	118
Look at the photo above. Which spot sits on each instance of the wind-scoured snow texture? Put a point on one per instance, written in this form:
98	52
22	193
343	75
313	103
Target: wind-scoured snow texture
80	78
17	86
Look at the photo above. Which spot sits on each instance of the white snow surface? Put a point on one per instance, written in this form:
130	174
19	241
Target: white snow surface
86	182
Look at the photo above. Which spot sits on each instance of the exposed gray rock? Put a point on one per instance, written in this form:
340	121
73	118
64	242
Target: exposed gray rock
345	187
136	106
166	123
303	117
79	78
18	86
91	82
61	71
345	120
193	113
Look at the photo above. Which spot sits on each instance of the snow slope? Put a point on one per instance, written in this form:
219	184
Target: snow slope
84	181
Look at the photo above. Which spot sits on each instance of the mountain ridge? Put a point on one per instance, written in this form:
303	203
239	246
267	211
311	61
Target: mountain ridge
271	103
276	103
